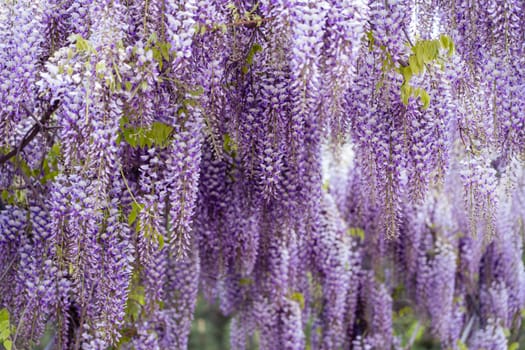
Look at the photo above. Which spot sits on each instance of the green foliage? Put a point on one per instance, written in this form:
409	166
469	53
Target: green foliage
50	164
82	45
110	76
134	305
371	39
160	50
514	346
424	53
412	332
447	43
6	196
100	69
15	197
47	172
298	297
135	210
149	231
136	300
5	329
250	56
229	145
199	90
461	345
19	163
245	282
157	134
356	232
210	329
415	330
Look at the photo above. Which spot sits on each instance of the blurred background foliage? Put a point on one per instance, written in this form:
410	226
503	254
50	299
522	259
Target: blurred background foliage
210	331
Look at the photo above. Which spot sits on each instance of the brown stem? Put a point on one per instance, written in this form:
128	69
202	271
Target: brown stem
31	134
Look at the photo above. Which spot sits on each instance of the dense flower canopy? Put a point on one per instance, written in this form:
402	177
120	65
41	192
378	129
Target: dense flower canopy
314	166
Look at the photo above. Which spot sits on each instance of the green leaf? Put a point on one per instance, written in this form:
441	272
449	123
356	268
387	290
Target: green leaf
153	37
245	281
129	136
20	196
124	339
451	48
371	39
514	346
5	198
165	50
80	43
253	50
444	40
5	330
461	345
190	102
249	58
157	56
55	150
197	92
229	145
299	297
50	164
100	67
160	240
356	232
434	49
8	344
157	134
24	167
406	72
182	111
5	327
425	99
406	91
447	43
139	296
132	309
49	176
135	301
414	64
423	52
412	328
4	333
160	133
405	311
506	331
135	210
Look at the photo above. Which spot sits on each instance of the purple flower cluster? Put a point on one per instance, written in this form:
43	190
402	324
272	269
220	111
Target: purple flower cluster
267	155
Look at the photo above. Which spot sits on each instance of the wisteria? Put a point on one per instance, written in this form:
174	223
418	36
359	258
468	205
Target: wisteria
330	174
